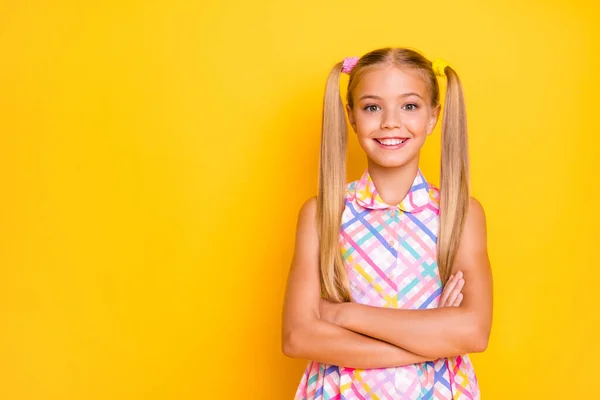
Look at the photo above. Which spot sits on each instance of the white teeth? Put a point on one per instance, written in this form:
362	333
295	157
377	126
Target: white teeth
391	142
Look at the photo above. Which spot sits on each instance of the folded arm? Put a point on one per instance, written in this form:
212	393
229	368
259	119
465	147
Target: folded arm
438	332
305	334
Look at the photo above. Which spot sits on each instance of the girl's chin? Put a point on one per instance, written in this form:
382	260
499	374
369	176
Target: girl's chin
391	158
390	162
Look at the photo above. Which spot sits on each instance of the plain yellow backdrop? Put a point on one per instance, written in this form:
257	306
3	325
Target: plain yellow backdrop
154	156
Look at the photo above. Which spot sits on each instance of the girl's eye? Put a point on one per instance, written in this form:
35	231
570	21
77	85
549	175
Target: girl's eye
414	107
371	107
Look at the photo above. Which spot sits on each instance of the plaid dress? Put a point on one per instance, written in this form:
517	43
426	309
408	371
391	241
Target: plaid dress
390	255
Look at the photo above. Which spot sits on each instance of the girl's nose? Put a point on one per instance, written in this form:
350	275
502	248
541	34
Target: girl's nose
391	120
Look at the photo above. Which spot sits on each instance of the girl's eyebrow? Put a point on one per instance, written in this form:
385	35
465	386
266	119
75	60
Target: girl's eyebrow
372	96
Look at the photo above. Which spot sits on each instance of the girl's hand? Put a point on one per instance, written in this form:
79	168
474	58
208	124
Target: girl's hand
328	311
451	295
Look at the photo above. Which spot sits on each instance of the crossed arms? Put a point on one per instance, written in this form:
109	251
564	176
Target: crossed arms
362	336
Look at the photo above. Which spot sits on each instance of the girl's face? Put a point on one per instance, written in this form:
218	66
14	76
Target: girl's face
392	115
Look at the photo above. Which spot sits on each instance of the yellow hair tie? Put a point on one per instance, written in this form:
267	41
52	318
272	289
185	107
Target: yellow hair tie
438	66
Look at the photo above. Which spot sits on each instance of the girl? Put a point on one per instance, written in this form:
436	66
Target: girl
390	285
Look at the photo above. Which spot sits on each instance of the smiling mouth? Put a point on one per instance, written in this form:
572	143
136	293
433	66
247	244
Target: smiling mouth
392	143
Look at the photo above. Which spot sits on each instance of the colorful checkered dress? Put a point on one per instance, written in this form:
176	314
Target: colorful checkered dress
390	255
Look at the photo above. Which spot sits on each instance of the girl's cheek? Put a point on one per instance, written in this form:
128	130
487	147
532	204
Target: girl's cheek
417	123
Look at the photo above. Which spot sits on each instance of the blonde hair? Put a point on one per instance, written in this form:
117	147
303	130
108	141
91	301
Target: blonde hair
454	187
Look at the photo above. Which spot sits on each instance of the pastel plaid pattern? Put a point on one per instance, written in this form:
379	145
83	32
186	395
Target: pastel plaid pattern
390	255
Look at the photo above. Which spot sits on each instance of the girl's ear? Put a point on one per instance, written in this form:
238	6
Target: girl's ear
351	117
433	119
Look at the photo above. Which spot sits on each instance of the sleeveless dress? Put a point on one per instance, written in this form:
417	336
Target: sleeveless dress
390	255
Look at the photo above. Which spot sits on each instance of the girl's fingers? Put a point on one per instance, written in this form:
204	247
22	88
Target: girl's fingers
451	289
447	290
455	291
458	300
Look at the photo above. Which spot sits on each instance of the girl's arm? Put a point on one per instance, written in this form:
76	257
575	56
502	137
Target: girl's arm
304	334
438	332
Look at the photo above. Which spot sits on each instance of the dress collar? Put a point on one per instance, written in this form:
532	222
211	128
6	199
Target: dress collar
416	199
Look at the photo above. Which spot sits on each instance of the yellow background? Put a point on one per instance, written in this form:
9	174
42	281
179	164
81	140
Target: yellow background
154	155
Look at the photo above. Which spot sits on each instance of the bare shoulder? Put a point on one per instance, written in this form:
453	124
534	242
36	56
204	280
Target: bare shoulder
476	218
309	208
476	209
474	236
307	217
306	248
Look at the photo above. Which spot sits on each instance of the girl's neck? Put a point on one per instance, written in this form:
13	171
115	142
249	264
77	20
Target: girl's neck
393	183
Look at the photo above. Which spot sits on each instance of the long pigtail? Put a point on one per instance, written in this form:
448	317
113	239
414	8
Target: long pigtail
454	180
330	199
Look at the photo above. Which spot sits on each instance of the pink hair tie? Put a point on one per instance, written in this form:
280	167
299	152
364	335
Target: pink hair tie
349	64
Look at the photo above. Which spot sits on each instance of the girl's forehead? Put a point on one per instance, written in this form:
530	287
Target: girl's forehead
391	80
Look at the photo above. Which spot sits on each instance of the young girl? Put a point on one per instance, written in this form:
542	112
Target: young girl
390	285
